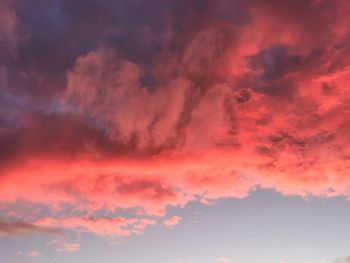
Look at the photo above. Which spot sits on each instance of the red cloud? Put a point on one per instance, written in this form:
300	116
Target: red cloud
223	107
9	35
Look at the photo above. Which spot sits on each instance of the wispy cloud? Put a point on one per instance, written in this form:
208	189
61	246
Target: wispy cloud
173	221
22	228
223	260
62	245
34	254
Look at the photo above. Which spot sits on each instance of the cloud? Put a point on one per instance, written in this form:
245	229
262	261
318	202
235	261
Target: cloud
9	28
114	95
119	226
201	102
223	259
69	247
61	244
34	254
172	221
22	228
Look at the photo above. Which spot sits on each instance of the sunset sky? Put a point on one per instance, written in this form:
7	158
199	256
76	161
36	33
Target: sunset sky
175	131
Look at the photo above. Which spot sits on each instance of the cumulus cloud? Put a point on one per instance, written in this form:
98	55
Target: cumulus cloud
205	100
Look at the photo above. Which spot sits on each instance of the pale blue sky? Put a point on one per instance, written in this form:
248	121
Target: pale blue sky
263	228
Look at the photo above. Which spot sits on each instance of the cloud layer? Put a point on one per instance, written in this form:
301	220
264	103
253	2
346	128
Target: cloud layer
136	106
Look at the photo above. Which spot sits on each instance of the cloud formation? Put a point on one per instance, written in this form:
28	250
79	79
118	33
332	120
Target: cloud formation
135	106
34	254
119	226
22	228
68	247
223	259
172	221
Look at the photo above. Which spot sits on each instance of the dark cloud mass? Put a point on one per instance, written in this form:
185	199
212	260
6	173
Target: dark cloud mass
136	104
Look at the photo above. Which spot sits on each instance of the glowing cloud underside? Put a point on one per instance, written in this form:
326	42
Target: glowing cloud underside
204	100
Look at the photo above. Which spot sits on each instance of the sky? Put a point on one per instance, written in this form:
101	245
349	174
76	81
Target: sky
174	131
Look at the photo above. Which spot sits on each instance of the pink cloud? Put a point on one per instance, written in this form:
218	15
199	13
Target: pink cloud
69	247
223	259
173	221
233	107
61	244
119	226
34	254
9	33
